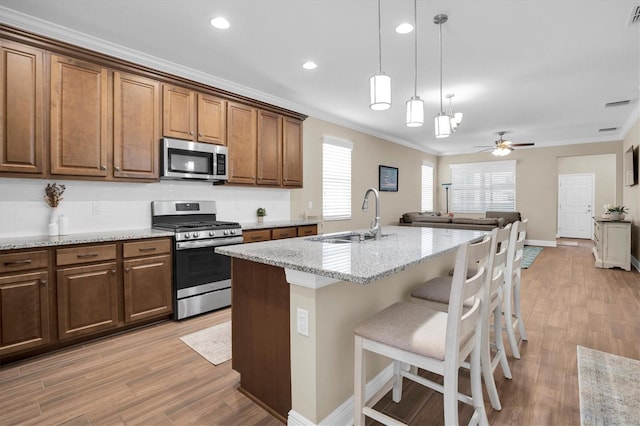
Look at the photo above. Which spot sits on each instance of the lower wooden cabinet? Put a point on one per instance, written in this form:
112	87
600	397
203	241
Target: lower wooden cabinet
147	288
24	312
253	236
87	299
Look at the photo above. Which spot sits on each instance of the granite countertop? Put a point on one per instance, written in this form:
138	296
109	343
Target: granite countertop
92	237
359	262
251	226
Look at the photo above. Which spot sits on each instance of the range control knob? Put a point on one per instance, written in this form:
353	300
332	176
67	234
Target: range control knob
226	232
187	235
212	233
233	232
196	234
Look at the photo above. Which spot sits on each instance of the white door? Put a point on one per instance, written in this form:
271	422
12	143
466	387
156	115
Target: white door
575	205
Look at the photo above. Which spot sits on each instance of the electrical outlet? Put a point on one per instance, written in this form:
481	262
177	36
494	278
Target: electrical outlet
302	322
310	204
95	208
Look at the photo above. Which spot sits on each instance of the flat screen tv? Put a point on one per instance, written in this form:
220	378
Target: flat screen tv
630	167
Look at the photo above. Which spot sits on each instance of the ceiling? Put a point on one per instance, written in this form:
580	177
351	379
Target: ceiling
542	70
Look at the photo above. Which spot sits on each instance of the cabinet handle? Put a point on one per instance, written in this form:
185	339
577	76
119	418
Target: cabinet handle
84	256
113	272
127	269
191	133
103	167
147	249
200	134
17	262
43	282
255	237
117	168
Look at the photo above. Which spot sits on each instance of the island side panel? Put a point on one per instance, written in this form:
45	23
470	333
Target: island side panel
260	334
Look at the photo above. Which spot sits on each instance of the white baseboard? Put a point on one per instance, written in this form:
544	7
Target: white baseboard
541	243
343	415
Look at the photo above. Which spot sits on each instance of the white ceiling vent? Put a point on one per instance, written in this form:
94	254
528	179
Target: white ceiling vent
617	103
635	15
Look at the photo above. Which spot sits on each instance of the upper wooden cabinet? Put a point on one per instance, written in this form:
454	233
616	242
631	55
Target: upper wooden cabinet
269	156
193	116
242	142
292	152
21	109
136	126
79	117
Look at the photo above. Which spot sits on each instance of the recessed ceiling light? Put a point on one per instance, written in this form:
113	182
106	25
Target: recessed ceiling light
404	28
309	65
220	23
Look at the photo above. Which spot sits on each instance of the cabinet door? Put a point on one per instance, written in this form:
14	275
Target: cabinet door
21	109
241	140
269	148
212	119
136	126
24	312
147	288
179	113
87	299
292	153
255	236
79	114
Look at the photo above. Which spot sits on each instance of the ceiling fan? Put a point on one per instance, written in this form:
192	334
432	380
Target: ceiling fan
503	147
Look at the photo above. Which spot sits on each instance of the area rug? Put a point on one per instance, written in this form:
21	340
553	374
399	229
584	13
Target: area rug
609	391
529	254
213	343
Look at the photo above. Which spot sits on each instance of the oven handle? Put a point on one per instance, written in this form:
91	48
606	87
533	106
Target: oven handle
218	242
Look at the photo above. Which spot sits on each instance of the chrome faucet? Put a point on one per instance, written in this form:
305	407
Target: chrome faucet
375	229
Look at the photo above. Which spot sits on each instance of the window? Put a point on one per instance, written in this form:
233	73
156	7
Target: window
336	179
427	187
478	187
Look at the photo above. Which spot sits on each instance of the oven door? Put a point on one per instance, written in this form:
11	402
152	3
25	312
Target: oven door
197	267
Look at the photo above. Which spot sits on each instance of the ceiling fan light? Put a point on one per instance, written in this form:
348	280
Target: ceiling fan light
442	126
380	85
415	112
501	152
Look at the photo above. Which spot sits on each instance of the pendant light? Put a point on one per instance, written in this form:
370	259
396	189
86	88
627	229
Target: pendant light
442	121
415	105
456	118
380	83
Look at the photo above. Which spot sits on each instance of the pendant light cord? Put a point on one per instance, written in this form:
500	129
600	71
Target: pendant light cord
440	26
379	41
415	48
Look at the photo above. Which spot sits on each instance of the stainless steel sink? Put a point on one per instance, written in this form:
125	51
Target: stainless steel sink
346	237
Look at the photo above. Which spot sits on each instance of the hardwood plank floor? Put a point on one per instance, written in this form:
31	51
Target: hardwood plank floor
149	377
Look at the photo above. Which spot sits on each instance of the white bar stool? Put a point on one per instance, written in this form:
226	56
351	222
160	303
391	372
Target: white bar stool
513	273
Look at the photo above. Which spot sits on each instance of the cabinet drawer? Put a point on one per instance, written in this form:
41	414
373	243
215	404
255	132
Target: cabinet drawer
279	233
23	261
85	254
146	248
304	231
255	236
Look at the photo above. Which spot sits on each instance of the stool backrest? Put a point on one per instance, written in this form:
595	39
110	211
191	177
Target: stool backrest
516	248
503	236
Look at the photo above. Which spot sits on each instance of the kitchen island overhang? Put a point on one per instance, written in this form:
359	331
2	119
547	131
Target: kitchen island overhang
272	281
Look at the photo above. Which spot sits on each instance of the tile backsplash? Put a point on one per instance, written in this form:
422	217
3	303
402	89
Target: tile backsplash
106	206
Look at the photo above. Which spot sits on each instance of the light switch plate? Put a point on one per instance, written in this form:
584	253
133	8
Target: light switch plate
302	322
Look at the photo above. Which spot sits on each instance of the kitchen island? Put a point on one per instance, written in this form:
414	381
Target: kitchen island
295	303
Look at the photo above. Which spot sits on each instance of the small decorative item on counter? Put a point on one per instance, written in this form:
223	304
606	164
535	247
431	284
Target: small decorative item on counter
261	213
52	196
63	225
612	212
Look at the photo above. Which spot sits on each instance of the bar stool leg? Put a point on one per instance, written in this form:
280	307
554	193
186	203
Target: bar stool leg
359	384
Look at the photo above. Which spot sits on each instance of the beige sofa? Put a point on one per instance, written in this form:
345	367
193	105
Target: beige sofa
491	220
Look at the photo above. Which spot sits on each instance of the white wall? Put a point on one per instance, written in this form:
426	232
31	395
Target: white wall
105	206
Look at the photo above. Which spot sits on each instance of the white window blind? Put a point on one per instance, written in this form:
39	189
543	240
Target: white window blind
478	187
427	187
336	179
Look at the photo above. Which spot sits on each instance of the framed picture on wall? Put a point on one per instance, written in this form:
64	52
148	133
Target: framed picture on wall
387	178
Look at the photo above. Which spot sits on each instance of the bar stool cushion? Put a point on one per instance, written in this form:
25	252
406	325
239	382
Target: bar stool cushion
438	289
410	327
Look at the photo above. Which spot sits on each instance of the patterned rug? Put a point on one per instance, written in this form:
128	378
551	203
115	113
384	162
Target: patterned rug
213	343
609	391
529	254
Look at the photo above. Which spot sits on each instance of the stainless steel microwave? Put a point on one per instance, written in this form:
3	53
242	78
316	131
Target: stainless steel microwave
193	160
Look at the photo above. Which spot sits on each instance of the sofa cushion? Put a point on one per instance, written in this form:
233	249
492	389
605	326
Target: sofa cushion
509	217
479	221
411	216
437	219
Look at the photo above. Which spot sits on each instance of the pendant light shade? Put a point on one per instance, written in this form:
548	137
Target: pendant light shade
380	83
442	125
415	112
380	92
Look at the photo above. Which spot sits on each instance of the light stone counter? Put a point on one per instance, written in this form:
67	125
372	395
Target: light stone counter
91	237
359	262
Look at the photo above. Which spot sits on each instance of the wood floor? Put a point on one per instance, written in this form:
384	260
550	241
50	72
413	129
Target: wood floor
150	377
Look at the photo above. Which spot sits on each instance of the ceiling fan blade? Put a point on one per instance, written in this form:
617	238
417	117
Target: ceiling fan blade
484	146
523	144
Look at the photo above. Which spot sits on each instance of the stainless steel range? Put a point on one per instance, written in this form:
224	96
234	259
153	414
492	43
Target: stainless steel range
201	277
